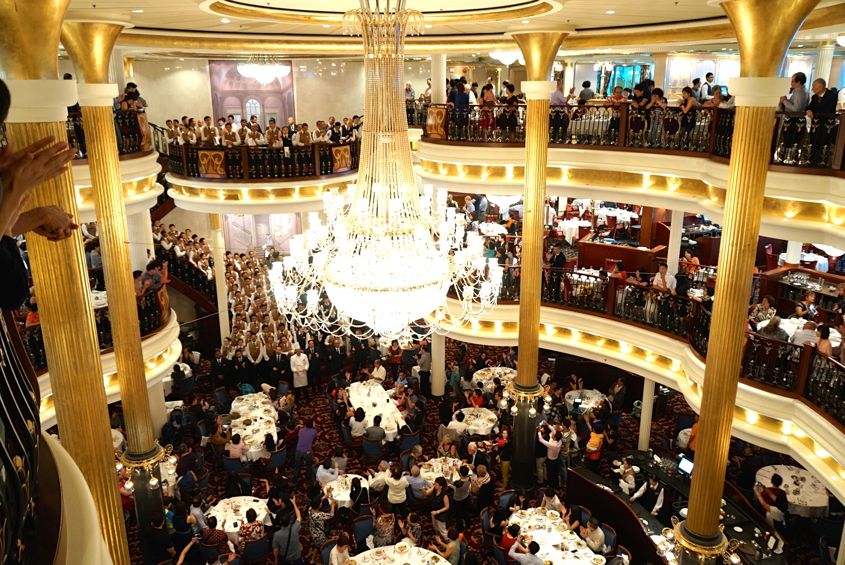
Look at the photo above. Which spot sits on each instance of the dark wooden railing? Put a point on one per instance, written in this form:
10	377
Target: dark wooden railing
770	364
797	141
188	273
263	163
132	129
153	314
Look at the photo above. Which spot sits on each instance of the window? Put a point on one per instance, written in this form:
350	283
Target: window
252	108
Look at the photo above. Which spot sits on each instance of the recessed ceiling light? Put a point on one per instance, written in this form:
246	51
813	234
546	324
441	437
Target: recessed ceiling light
428	26
525	21
138	11
326	25
181	59
610	12
724	48
800	45
225	21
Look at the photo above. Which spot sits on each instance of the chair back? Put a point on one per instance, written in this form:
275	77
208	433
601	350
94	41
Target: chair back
233	465
372	448
609	538
622	550
283	388
463	553
346	434
484	516
256	551
187	385
277	459
221	396
505	499
362	527
499	554
585	516
403	459
409	440
809	264
771	262
326	550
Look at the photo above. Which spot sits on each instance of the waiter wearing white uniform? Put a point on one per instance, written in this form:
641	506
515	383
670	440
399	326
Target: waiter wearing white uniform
299	367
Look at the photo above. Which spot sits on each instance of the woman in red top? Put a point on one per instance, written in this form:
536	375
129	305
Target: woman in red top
477	398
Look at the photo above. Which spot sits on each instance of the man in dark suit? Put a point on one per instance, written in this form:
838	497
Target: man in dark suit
558	263
315	363
279	367
335	357
822	122
219	368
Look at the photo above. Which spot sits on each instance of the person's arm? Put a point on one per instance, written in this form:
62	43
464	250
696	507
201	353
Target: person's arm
658	505
640	492
184	551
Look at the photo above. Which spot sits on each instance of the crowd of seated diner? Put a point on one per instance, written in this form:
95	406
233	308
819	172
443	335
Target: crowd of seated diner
227	133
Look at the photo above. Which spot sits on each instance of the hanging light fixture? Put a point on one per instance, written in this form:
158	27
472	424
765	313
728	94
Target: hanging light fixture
388	253
507	58
263	68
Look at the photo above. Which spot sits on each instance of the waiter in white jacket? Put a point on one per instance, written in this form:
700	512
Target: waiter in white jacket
299	367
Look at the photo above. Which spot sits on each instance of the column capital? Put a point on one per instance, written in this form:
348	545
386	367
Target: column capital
758	91
537	89
763	39
40	100
539	48
90	44
96	94
30	38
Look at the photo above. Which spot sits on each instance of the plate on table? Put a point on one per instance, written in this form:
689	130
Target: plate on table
598	560
552	514
569	534
580	544
402	547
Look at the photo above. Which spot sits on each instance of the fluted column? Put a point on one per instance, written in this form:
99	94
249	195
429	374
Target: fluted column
763	41
539	49
793	254
646	412
28	47
218	254
824	61
438	365
438	78
673	252
140	234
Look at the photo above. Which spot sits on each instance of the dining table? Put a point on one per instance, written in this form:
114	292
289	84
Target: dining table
341	488
403	553
792	325
822	264
446	467
570	228
590	399
479	421
485	376
253	417
558	544
372	397
805	493
231	513
492	229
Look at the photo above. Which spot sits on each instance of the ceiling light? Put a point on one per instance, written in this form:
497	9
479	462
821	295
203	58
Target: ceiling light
428	26
263	68
525	21
507	58
138	11
841	40
610	12
800	45
225	21
326	25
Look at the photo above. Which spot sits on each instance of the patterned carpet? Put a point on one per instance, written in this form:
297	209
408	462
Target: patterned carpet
329	437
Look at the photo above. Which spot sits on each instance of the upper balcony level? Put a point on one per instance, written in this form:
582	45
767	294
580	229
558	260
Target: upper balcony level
664	158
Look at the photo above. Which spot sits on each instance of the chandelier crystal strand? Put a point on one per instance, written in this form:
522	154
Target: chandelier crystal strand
387	254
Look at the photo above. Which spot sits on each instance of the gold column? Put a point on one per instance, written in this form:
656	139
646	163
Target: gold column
218	253
763	41
89	45
539	49
28	48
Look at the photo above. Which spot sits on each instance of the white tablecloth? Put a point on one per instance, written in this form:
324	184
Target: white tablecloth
341	486
821	260
233	511
376	401
570	229
491	229
557	544
591	398
807	496
792	325
485	377
683	438
394	555
479	421
446	467
582	204
258	410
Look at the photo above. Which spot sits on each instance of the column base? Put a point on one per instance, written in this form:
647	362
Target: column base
698	550
524	436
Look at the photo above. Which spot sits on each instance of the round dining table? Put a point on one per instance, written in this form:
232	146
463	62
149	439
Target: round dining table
479	421
403	553
806	494
491	229
341	489
558	544
256	417
590	399
232	511
485	376
446	467
375	400
792	325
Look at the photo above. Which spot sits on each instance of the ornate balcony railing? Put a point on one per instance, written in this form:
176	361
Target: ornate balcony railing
797	141
188	273
263	163
153	314
773	365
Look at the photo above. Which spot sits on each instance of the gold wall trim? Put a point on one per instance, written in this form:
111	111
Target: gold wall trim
131	189
776	208
307	17
190	41
252	194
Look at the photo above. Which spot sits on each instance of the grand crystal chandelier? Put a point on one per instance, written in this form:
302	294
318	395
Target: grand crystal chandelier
387	253
263	68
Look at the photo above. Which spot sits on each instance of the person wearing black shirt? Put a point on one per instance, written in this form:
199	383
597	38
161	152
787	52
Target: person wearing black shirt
158	546
558	262
823	129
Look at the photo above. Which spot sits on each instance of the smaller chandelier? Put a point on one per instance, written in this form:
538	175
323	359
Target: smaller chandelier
263	68
507	58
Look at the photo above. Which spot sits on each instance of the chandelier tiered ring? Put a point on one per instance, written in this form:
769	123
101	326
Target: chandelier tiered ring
387	253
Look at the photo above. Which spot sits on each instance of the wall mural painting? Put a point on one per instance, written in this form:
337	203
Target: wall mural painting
233	93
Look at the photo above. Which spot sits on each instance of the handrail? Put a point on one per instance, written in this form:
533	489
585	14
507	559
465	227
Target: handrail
797	141
131	128
768	363
153	315
264	163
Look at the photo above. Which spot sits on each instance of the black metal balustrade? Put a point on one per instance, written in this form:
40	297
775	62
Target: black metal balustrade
774	365
133	133
797	141
263	163
153	314
188	273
